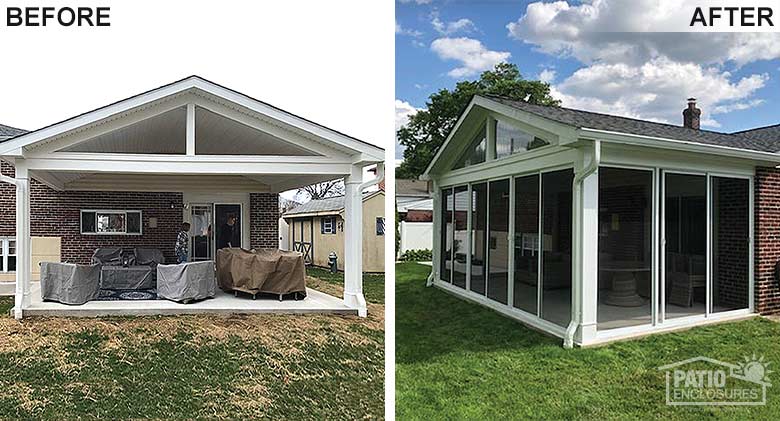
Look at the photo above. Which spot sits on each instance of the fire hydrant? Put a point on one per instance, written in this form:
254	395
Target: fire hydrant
333	262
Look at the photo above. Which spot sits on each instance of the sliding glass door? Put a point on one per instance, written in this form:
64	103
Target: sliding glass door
526	282
445	250
461	236
706	245
685	244
498	241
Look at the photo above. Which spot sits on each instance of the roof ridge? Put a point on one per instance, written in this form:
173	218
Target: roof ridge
756	128
606	115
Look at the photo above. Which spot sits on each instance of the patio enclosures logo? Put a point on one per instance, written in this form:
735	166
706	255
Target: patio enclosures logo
706	381
60	16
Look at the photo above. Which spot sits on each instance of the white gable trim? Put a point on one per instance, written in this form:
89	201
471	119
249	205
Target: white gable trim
16	146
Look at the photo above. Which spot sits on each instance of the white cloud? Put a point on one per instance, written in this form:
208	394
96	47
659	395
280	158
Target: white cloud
635	72
403	110
472	55
400	30
547	76
449	28
657	90
618	31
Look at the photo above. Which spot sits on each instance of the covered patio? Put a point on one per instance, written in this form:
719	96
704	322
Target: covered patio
225	153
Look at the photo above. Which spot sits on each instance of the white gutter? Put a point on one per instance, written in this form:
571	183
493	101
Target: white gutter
684	145
576	311
380	175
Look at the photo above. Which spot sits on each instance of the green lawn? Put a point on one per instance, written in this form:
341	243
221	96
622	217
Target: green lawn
237	367
457	360
373	284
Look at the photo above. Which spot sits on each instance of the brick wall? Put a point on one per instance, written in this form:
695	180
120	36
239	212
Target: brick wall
767	239
730	242
417	216
264	213
57	214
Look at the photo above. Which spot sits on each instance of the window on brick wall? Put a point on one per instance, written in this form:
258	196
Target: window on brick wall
7	255
111	222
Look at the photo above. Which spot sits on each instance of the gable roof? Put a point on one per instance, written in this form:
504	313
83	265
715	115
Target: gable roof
195	82
7	132
598	121
328	206
413	188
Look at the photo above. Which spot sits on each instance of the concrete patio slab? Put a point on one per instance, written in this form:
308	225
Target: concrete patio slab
223	303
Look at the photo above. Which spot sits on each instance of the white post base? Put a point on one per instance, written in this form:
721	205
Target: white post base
358	301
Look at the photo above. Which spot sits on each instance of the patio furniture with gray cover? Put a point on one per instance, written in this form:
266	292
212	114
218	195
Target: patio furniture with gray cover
187	281
68	283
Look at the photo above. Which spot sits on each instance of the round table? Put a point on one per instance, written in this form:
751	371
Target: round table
624	293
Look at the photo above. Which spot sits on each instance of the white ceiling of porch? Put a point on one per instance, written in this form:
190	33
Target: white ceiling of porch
162	134
166	134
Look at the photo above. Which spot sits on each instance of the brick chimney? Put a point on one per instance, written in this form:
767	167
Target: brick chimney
692	115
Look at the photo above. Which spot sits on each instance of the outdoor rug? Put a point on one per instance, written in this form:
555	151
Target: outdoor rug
127	294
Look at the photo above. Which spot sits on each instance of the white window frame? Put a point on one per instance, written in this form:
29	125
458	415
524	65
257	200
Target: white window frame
5	247
328	221
111	212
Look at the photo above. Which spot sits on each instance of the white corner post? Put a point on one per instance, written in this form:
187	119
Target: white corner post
353	242
437	234
582	327
23	240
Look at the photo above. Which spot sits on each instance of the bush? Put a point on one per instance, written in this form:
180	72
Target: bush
423	255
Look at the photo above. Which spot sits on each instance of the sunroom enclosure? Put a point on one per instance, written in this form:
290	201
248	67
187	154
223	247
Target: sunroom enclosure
596	240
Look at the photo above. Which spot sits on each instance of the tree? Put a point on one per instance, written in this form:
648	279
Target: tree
323	190
427	129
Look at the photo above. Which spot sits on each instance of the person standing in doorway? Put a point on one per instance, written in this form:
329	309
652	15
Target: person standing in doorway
227	233
182	248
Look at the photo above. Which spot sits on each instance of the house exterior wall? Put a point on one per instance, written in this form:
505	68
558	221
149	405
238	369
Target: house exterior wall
415	215
767	239
56	215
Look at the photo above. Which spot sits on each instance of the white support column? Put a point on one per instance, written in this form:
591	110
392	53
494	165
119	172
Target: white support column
190	129
353	242
437	233
590	258
23	240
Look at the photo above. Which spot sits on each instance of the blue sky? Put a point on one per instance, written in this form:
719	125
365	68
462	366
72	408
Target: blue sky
625	72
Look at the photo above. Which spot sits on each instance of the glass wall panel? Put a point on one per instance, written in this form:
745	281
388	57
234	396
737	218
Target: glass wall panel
730	244
478	201
526	243
685	219
625	247
460	236
445	259
498	241
556	246
475	153
510	140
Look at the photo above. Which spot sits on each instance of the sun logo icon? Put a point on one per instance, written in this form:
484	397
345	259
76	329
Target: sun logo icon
754	369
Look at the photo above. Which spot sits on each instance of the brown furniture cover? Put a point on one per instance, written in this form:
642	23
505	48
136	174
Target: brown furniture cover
265	270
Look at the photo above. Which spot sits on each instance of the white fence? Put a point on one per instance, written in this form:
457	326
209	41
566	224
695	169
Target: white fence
416	235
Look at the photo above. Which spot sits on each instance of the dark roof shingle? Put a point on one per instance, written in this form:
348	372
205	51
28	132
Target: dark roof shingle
591	120
7	132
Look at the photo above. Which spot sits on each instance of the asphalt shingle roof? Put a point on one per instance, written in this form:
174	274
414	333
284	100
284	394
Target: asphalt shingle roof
330	204
769	142
7	132
406	187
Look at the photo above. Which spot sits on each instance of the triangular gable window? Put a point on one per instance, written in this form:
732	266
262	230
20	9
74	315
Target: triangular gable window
511	140
476	152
